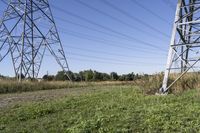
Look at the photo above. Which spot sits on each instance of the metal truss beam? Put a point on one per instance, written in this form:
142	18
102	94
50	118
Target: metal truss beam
184	51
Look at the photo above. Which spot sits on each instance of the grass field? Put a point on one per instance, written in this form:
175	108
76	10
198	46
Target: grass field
116	108
12	86
149	84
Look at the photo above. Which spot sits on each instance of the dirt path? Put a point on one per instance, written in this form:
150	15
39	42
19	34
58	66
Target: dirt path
7	100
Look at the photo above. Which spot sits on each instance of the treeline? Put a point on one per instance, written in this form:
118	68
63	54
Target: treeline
1	76
90	75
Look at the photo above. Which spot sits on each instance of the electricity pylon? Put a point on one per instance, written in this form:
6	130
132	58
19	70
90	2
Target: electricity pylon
184	52
27	30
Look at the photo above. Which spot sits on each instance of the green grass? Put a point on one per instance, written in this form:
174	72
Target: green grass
116	109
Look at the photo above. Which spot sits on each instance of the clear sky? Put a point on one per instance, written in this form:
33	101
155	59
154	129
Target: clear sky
111	35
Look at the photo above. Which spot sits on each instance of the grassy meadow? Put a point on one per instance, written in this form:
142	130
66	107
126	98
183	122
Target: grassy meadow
11	86
121	108
100	106
149	85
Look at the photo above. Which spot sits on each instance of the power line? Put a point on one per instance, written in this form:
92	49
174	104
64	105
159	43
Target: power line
108	53
115	63
87	27
170	4
109	59
71	22
92	38
109	44
101	32
134	18
151	12
65	20
107	28
3	1
102	41
105	41
113	18
84	26
114	43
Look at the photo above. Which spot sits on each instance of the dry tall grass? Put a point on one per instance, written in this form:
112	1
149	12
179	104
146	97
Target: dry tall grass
151	84
11	86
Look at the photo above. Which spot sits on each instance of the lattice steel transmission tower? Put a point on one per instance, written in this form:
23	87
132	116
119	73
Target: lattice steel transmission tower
184	52
27	30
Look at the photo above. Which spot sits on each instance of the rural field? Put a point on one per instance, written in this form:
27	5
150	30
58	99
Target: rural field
99	108
100	66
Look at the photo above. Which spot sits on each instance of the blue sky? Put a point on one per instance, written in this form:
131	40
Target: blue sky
103	38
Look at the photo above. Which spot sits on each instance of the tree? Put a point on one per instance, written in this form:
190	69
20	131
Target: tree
97	76
77	77
106	76
114	76
1	76
122	77
88	74
82	76
61	75
130	77
48	77
137	76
